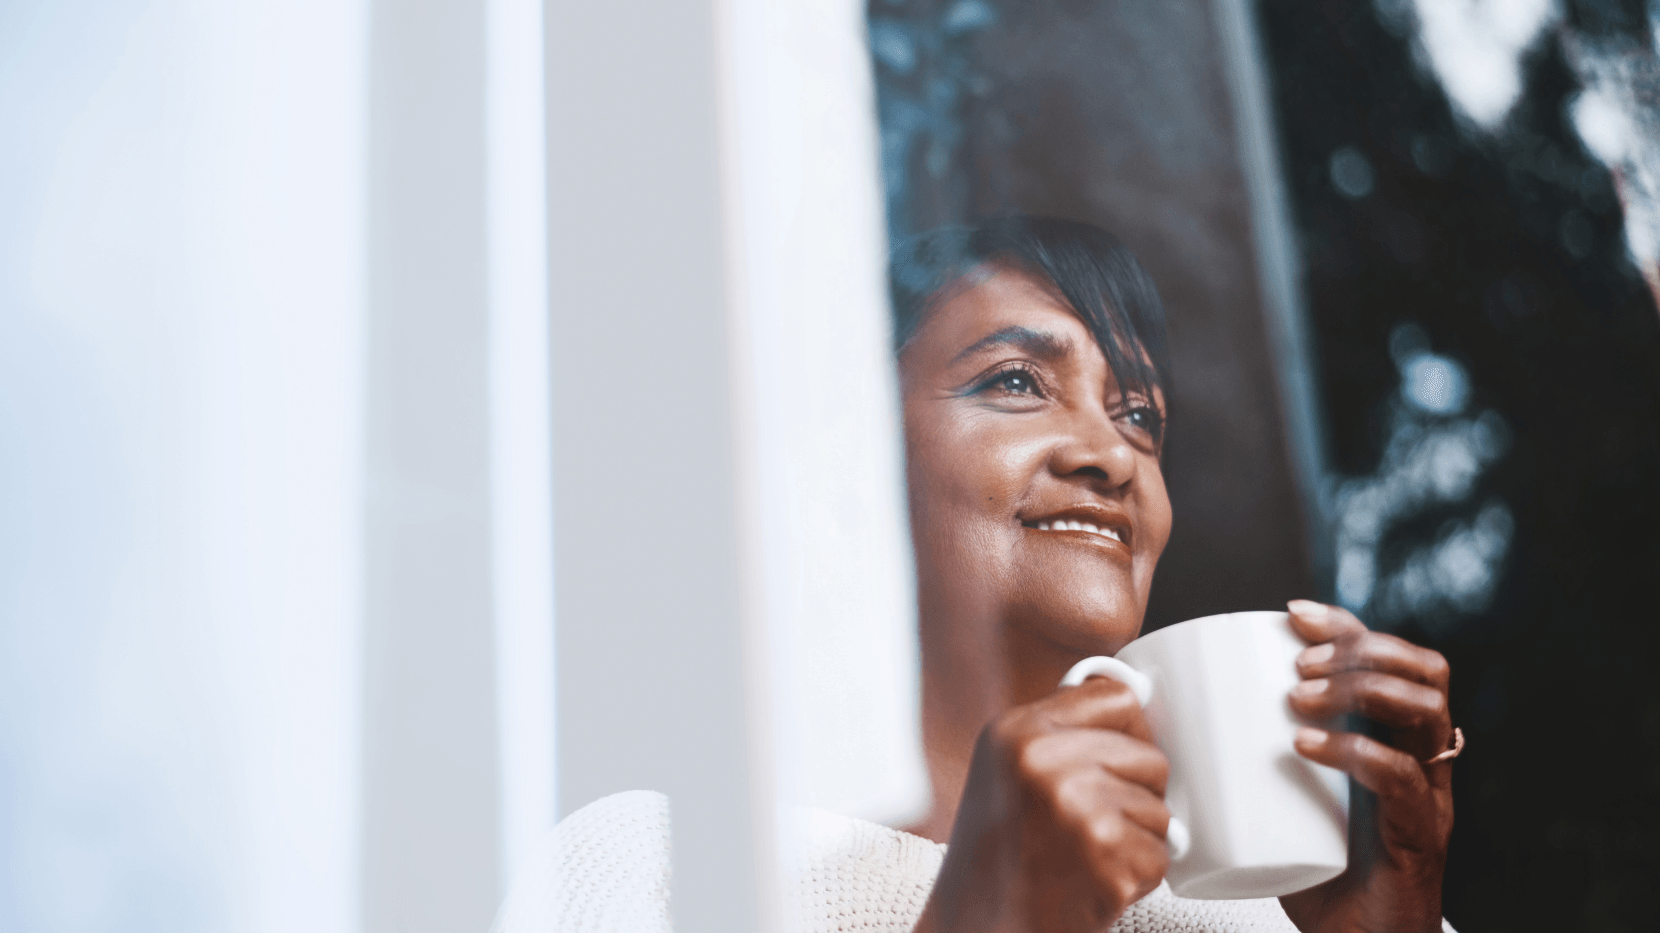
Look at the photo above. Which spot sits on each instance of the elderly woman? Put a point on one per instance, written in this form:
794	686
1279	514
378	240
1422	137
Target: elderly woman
1032	365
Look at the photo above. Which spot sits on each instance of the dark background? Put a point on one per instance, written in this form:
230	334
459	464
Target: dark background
1510	257
1504	248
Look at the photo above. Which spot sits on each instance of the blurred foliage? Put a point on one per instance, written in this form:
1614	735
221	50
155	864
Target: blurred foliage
1505	251
925	70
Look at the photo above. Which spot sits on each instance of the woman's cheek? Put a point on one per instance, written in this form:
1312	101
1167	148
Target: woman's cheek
1154	504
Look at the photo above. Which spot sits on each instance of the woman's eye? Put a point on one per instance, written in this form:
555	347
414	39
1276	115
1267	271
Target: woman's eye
1012	382
1017	382
1147	419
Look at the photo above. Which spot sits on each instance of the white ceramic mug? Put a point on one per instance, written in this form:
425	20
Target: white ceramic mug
1251	817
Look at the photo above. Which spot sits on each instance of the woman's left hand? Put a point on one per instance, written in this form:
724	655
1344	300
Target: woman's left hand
1393	881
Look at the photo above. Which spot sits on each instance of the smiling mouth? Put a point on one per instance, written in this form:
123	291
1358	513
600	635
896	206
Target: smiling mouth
1111	534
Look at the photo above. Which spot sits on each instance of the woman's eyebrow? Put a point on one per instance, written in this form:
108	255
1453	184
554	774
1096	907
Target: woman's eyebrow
1041	344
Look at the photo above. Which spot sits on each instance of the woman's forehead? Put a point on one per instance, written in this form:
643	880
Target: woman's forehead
1004	303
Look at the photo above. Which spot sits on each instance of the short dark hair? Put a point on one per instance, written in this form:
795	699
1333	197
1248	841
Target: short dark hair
1097	276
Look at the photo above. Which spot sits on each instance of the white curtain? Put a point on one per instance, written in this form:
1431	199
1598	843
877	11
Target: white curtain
180	315
187	286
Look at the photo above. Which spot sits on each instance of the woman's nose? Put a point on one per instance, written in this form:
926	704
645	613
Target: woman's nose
1094	448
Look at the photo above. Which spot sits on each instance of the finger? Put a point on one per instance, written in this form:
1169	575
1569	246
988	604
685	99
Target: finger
1083	795
1388	772
1393	701
1375	651
1096	751
1097	703
1094	756
1125	858
1318	622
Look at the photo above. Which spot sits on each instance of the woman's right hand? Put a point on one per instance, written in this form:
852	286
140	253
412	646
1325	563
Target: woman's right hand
1061	826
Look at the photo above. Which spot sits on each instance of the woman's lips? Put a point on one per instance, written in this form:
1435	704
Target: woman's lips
1110	527
1111	534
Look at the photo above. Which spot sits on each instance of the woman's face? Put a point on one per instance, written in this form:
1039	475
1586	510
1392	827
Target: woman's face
1037	504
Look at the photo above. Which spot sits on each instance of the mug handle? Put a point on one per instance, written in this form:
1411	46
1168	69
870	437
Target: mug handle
1176	836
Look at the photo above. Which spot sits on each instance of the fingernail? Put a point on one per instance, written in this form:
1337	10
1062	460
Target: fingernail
1307	609
1312	738
1310	688
1319	654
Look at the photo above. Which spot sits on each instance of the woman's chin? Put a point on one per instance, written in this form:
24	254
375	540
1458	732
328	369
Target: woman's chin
1084	624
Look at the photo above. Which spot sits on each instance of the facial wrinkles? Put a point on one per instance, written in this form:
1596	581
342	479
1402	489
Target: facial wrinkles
981	463
1018	447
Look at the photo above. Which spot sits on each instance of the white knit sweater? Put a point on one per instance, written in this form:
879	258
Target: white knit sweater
605	869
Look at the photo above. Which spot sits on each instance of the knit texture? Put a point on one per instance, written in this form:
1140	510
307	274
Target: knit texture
842	874
605	869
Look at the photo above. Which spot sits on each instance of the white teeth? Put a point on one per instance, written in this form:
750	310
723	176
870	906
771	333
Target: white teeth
1067	525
